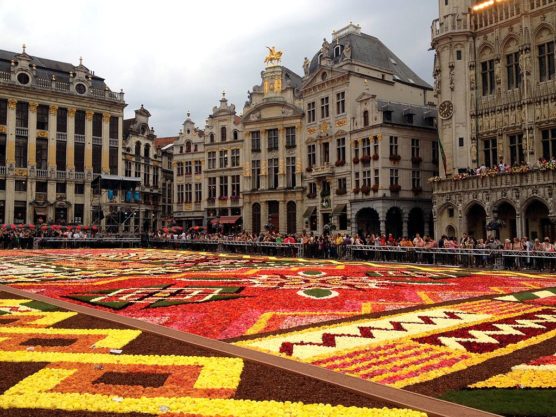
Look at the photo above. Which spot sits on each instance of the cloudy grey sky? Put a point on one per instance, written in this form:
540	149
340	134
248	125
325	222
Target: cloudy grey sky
175	57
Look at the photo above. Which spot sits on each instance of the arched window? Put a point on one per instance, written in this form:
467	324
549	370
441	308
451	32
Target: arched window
147	151
338	50
366	118
137	149
223	134
211	138
187	146
236	135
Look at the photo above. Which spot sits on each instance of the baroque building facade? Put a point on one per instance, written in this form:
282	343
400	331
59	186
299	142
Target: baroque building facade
348	146
369	137
60	126
496	86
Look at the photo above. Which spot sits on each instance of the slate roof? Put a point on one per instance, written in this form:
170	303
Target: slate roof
400	110
371	51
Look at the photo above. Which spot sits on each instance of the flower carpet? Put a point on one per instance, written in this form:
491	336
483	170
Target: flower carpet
462	335
67	364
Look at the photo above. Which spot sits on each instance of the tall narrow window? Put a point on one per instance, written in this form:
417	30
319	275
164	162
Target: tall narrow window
61	155
325	154
393	145
311	155
22	114
365	118
340	103
490	152
311	112
513	73
290	137
516	149
224	186
80	122
341	149
394	177
235	186
20	152
41	153
487	77
273	173
548	143
3	113
42	117
255	175
272	136
546	61
223	134
62	121
324	108
256	141
415	180
290	172
79	157
114	128
415	148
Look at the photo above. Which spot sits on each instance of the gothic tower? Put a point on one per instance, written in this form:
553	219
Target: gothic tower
454	74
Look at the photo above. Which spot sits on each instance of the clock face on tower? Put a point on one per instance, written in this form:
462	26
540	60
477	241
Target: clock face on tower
446	109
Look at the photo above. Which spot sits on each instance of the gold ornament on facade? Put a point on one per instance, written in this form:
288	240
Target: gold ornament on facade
311	130
21	172
324	127
42	133
106	117
277	85
71	112
53	110
89	115
3	129
12	103
274	57
33	107
341	122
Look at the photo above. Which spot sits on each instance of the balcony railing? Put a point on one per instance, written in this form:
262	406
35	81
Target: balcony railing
79	138
48	84
61	175
97	140
61	136
534	177
79	176
21	131
42	173
322	170
113	143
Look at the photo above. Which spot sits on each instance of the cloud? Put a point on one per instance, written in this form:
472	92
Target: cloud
175	57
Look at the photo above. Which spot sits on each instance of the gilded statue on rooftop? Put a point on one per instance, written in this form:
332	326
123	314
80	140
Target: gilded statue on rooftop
273	57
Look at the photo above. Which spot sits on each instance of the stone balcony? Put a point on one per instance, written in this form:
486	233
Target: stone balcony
320	171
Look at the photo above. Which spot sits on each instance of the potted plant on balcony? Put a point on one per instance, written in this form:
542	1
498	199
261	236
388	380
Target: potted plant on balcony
416	159
312	195
340	163
211	200
223	198
375	188
365	159
365	189
417	190
341	191
355	160
375	157
395	188
309	169
356	190
234	198
395	158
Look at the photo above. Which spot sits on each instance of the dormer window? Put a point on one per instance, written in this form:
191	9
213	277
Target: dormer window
236	135
338	49
387	115
188	147
409	118
366	118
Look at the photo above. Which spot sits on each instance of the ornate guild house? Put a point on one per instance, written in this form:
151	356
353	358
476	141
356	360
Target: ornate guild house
495	81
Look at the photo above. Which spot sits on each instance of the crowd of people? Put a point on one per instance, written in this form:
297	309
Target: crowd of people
382	247
23	236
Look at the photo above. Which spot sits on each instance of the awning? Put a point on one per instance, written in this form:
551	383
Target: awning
229	219
309	212
339	209
41	211
214	221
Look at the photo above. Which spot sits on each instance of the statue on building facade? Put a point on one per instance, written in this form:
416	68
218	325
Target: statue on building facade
306	64
274	57
347	51
325	50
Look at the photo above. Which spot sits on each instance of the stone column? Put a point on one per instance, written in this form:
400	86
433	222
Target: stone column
405	221
283	215
121	162
519	229
32	137
89	141
31	187
247	216
70	145
382	224
10	137
52	128
105	161
10	161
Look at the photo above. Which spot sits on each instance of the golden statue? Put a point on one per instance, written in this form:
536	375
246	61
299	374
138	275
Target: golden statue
273	57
